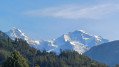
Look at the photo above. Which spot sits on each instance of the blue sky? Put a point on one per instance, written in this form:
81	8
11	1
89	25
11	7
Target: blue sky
49	19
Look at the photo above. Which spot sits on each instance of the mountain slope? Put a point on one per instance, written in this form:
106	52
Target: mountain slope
3	35
78	40
107	53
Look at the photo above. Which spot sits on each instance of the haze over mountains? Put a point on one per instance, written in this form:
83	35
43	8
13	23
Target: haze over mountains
78	40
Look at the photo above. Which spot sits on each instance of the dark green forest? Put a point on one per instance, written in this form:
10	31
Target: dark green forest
37	58
15	60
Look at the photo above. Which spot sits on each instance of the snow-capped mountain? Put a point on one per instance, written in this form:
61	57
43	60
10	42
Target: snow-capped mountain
17	33
78	40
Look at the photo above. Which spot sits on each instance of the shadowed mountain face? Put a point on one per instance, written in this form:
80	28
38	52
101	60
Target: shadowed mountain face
107	53
78	40
3	36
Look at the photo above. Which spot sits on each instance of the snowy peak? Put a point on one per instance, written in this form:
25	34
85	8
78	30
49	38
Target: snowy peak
82	31
17	33
42	44
82	35
79	41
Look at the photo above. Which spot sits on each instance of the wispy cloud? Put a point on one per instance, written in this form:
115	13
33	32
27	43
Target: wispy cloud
76	12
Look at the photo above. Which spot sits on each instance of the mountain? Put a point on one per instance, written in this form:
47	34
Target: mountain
17	33
107	53
78	40
3	35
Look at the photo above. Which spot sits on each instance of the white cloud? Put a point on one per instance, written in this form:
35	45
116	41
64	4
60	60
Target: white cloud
76	12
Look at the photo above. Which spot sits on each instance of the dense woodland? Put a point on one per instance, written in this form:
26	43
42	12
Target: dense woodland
37	58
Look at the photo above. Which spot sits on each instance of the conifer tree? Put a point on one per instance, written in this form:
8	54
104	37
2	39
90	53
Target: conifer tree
15	60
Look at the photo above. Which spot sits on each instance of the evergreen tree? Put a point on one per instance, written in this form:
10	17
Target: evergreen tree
15	60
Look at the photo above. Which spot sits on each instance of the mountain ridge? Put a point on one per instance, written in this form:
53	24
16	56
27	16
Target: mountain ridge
78	40
107	53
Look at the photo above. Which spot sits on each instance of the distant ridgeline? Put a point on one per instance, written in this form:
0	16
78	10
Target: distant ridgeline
78	40
107	53
66	58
